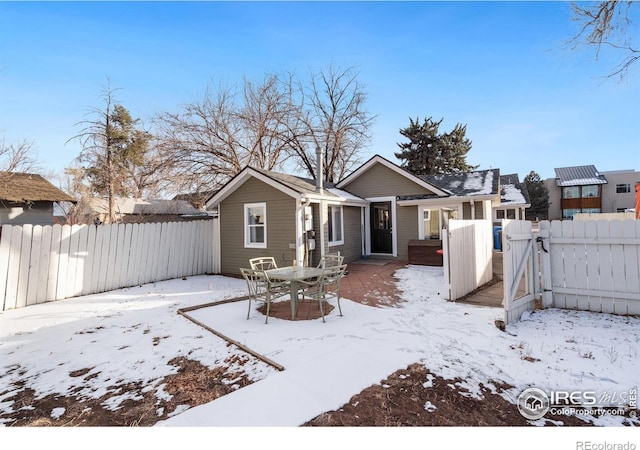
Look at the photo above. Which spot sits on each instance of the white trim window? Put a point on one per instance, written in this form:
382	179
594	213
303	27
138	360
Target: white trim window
336	225
255	225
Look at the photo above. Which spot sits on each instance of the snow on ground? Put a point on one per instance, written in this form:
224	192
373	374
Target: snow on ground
114	334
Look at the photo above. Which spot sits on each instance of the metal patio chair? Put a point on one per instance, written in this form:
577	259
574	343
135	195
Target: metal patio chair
262	289
263	263
326	287
330	260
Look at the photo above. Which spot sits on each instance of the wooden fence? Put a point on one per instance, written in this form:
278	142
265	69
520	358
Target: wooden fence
44	263
468	255
593	265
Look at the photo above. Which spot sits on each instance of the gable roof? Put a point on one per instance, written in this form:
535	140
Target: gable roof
468	184
578	176
512	192
294	186
377	159
29	187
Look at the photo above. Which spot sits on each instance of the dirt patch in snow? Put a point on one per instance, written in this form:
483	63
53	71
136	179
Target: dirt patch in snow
409	397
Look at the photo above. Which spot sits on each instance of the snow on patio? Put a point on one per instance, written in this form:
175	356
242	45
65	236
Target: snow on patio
129	335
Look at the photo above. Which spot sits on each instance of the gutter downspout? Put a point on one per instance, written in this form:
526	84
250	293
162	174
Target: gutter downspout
302	245
320	190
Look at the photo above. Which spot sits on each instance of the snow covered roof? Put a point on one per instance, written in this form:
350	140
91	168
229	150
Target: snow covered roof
481	182
579	176
512	192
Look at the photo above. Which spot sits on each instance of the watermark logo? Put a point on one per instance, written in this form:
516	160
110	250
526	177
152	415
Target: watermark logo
533	403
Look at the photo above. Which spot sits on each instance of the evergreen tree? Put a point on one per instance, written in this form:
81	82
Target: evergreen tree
538	196
430	152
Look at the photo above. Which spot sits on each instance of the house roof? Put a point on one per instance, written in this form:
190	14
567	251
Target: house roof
29	187
512	192
467	184
197	199
377	159
579	176
143	207
297	187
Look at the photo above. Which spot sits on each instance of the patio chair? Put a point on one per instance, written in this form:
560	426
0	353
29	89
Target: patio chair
262	289
263	263
327	286
330	261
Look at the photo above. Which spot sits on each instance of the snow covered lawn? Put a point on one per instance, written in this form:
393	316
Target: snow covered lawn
129	335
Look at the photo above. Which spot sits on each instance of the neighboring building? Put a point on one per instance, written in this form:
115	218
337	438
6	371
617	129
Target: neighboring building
27	198
583	189
136	210
514	199
377	210
197	199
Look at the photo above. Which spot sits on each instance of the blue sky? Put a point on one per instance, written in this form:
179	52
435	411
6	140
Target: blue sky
498	67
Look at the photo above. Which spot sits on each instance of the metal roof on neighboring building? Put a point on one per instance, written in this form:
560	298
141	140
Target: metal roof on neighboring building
579	176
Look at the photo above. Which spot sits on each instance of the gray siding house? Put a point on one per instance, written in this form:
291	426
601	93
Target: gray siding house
378	210
404	207
27	198
263	213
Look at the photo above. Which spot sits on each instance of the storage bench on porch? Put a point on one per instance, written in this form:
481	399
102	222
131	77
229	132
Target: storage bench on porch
425	252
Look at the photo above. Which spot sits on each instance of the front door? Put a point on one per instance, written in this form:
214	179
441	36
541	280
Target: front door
381	240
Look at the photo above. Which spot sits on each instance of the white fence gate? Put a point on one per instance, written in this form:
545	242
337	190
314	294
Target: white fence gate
468	255
521	268
584	265
44	263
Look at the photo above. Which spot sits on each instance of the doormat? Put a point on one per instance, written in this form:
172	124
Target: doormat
373	262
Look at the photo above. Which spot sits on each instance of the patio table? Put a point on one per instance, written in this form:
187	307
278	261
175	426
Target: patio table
293	274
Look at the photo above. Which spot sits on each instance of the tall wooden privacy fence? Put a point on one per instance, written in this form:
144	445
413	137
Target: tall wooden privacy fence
44	263
468	255
592	265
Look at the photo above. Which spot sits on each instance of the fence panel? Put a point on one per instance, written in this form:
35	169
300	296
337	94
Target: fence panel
595	265
44	263
469	248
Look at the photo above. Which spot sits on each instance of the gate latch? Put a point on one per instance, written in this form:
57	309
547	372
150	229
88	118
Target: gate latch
539	239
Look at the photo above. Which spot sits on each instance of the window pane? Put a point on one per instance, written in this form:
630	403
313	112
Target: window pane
571	192
511	213
256	234
590	191
330	224
337	214
256	215
500	214
623	188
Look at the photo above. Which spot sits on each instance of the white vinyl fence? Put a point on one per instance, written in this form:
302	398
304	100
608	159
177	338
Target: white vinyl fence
468	255
593	265
44	263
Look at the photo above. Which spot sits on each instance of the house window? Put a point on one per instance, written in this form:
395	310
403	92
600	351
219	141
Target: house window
569	213
623	188
430	223
500	214
571	192
336	230
591	210
590	191
255	225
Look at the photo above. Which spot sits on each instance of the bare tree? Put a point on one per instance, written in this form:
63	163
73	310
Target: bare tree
113	148
607	24
335	120
266	125
213	138
18	157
